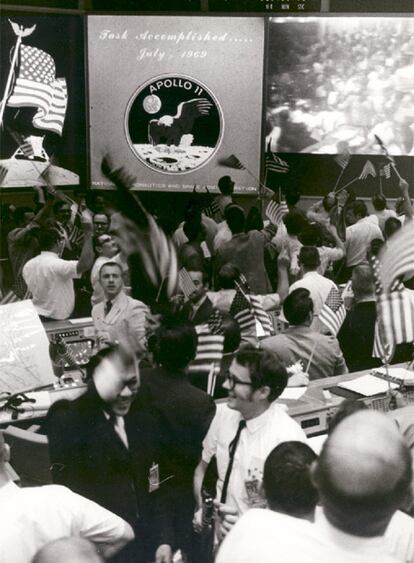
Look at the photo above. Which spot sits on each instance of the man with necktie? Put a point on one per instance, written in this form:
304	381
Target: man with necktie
243	432
105	446
118	313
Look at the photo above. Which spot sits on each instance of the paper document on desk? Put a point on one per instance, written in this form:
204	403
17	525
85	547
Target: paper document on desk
368	385
398	375
24	349
293	393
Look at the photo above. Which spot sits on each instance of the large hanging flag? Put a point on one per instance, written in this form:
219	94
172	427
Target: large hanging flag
274	163
333	313
368	170
37	86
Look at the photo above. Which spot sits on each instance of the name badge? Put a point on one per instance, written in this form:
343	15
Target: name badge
253	485
154	478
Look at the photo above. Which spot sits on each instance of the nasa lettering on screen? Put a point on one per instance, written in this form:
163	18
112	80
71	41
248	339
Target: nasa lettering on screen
337	85
177	100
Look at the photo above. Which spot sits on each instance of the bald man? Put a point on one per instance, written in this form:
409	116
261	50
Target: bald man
363	476
68	550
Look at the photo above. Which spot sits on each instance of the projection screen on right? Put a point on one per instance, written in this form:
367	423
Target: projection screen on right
340	84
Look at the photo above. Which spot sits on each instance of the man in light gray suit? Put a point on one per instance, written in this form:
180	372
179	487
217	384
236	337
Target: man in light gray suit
118	315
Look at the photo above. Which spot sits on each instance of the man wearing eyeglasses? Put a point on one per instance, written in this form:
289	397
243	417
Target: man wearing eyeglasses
243	432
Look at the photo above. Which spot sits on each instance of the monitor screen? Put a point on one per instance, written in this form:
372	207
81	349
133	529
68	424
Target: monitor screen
338	84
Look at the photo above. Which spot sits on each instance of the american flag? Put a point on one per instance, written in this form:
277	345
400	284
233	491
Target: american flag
37	86
261	316
243	283
241	310
247	310
343	159
209	352
395	315
186	283
232	162
274	163
397	257
387	171
333	313
368	170
275	211
212	209
25	145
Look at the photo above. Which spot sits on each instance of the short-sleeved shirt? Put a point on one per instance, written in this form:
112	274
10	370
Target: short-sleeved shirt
257	440
49	278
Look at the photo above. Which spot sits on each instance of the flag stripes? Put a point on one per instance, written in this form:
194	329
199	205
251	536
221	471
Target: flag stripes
333	313
209	351
36	86
274	163
397	258
368	170
212	209
232	162
186	283
343	159
275	211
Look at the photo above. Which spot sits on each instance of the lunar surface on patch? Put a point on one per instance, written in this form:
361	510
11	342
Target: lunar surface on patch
173	159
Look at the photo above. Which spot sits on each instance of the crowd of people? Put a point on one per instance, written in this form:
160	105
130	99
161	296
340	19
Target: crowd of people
146	464
341	84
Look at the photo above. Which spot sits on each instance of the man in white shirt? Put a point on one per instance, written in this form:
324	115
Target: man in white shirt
33	516
362	476
50	278
359	234
318	286
244	431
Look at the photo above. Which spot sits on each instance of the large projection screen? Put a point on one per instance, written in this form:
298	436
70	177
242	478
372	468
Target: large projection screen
336	84
172	98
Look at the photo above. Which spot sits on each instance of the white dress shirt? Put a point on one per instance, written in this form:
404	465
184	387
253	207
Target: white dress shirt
257	440
358	238
319	288
33	516
49	279
265	536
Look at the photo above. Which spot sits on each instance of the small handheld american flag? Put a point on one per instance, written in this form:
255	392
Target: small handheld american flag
333	313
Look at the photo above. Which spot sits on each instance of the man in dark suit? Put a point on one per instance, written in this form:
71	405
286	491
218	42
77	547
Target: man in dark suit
104	446
184	414
198	308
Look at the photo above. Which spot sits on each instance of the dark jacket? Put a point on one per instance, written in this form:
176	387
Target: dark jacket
202	315
184	415
88	456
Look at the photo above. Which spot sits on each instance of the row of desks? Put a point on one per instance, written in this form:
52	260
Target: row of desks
312	410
